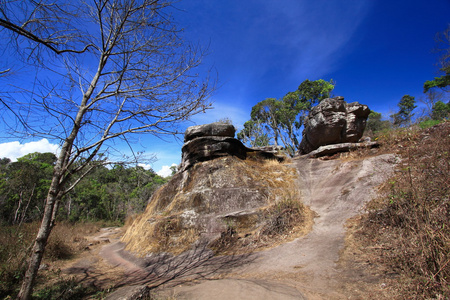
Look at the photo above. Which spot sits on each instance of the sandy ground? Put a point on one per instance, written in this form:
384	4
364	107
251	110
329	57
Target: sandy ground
306	268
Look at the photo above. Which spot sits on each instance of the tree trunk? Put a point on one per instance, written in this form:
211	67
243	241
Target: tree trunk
54	194
18	207
26	207
41	240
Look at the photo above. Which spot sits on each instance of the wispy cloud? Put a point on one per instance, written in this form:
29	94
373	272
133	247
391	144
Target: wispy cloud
267	48
310	34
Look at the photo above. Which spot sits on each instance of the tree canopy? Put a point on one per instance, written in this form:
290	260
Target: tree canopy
279	120
443	81
406	105
440	110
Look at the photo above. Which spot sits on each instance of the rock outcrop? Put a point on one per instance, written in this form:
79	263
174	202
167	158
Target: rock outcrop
211	199
210	141
343	147
217	194
333	121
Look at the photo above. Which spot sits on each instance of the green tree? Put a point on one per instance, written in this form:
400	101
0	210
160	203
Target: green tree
430	98
265	114
253	134
312	92
279	120
375	123
440	110
406	106
106	70
111	194
443	81
23	185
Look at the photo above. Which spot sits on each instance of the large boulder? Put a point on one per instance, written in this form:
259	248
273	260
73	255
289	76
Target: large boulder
210	141
333	121
213	129
223	197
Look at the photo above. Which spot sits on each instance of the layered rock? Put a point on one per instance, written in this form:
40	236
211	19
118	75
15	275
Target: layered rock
342	147
217	192
210	141
333	121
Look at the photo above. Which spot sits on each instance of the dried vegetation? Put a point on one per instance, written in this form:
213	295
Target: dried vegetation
263	193
66	241
405	236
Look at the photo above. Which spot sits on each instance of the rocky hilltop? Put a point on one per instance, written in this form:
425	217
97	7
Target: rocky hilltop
223	188
227	193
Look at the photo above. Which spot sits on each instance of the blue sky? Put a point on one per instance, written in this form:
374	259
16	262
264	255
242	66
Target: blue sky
375	51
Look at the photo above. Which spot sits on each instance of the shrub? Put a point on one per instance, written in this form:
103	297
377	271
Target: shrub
18	240
429	123
14	249
283	217
409	231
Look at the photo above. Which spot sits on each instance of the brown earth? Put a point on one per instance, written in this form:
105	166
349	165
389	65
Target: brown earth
305	268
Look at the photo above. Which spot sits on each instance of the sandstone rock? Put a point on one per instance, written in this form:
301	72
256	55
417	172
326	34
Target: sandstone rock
197	206
343	147
209	147
271	149
221	186
356	119
210	141
333	121
213	129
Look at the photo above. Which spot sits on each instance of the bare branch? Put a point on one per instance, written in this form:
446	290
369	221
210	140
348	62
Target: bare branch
46	43
121	69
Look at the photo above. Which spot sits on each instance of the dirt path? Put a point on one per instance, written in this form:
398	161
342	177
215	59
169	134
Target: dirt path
305	268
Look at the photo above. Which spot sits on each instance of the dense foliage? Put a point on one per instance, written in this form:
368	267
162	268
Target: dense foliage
375	123
108	194
406	106
440	110
279	120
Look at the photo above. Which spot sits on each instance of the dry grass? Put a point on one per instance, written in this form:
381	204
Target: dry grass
66	241
406	233
281	222
162	229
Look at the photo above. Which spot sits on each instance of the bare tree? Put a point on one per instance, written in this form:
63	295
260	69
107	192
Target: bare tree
429	100
106	69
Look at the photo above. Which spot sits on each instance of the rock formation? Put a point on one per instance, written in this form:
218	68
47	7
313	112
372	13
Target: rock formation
206	142
341	147
333	121
216	193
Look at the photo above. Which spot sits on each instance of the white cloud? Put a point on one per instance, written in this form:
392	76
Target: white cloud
145	166
14	150
165	171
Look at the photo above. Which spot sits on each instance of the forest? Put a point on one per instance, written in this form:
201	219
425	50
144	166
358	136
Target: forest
107	193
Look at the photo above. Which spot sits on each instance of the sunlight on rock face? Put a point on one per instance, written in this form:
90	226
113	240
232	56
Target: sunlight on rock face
216	194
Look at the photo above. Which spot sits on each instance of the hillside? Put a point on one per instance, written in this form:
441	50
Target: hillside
355	248
380	229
